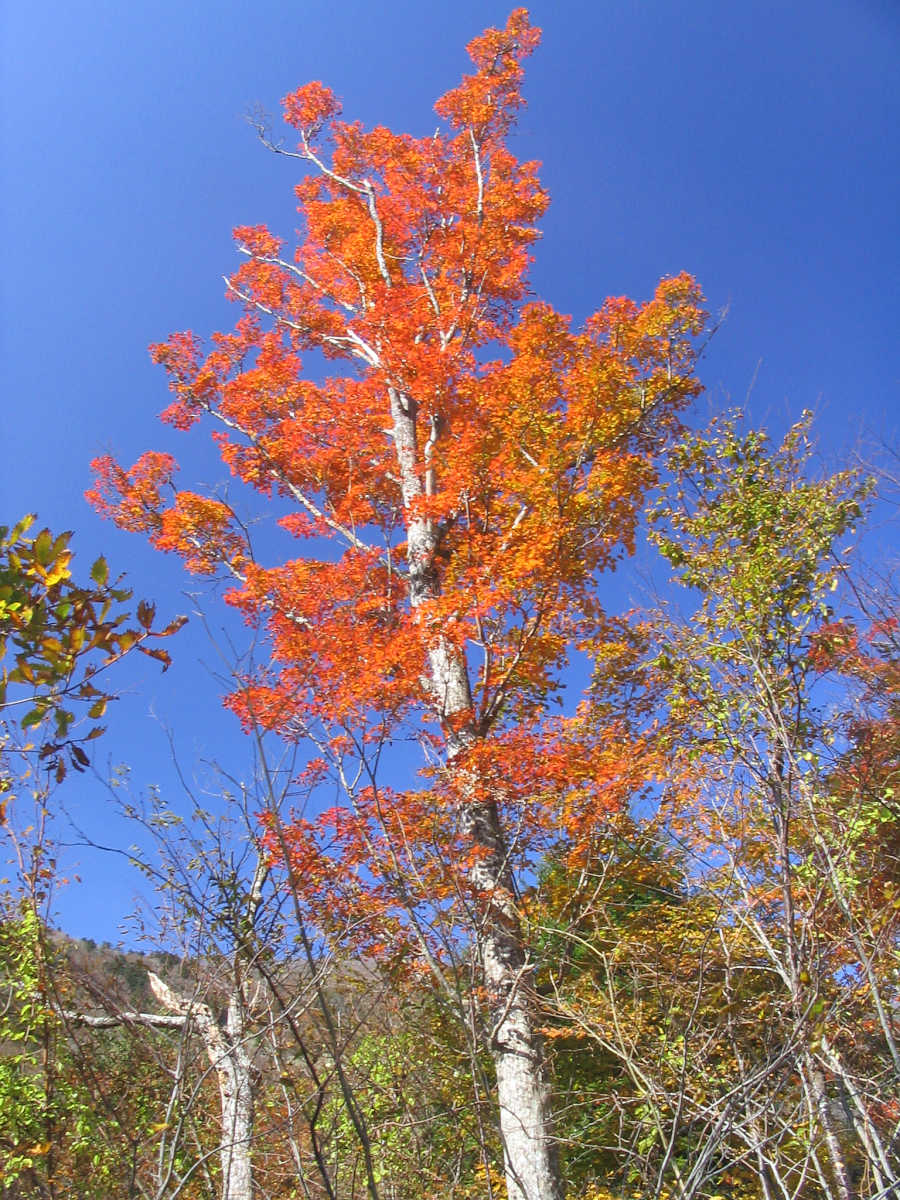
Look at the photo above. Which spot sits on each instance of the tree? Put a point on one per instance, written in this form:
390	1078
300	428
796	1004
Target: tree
720	977
58	638
25	1095
474	466
56	1140
260	1083
216	905
784	723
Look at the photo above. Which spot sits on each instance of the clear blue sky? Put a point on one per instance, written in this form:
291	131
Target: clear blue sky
752	143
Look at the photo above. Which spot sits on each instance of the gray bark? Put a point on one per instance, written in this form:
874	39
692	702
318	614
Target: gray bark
811	1076
819	1103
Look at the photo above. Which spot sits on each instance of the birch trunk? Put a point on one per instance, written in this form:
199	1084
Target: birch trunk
228	1056
515	1045
819	1103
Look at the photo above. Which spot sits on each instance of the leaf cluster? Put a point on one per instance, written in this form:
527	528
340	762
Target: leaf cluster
57	638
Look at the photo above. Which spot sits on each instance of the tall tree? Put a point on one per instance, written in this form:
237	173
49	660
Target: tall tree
784	720
475	464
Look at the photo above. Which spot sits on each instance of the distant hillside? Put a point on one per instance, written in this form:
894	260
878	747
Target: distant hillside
105	978
101	978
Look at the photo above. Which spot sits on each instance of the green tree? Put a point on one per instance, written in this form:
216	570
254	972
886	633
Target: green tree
58	638
50	1131
764	701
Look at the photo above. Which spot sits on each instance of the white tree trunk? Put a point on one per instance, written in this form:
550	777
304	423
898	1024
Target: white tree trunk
515	1045
228	1056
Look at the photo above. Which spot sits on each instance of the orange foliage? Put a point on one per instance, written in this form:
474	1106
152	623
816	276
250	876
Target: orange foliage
533	448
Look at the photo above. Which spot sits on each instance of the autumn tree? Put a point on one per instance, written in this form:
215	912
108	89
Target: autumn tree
458	485
720	976
783	719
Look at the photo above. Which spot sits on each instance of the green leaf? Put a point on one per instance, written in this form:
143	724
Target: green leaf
100	571
63	720
22	526
42	547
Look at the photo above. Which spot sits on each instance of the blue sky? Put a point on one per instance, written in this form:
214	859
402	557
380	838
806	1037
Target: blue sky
752	143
